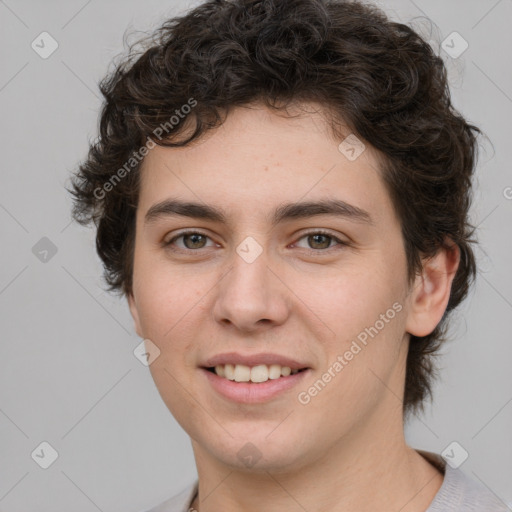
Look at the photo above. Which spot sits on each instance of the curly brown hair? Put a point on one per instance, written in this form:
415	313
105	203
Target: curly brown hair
378	77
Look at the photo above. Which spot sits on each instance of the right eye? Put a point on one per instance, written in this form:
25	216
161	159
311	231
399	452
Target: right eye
191	241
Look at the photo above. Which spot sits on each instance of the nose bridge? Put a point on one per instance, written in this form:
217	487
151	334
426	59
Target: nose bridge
250	270
250	292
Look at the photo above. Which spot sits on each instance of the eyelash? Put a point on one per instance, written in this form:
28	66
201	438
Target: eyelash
339	242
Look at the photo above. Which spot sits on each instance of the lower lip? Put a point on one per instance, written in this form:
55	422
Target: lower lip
253	392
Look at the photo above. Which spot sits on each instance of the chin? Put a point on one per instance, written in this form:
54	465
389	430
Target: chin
258	453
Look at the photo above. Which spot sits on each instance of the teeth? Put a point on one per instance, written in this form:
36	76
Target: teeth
274	371
259	373
242	373
229	371
285	371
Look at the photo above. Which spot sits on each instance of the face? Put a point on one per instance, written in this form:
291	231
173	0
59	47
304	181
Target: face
256	280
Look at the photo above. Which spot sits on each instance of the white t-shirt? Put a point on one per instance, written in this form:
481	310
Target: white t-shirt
458	493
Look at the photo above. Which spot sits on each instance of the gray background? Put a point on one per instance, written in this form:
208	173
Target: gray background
68	375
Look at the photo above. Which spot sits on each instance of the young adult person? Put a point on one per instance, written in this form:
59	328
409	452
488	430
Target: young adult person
281	191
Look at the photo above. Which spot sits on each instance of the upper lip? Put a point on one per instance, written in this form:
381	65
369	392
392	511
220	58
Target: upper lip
253	360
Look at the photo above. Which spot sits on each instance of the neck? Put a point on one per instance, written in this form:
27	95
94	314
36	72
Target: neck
367	470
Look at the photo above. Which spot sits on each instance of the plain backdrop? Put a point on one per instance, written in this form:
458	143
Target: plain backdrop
68	375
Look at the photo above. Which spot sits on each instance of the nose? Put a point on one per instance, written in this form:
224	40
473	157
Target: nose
251	297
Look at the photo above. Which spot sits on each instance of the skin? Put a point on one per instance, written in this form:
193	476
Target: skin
303	297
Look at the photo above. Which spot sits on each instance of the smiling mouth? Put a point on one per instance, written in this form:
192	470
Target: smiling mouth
254	374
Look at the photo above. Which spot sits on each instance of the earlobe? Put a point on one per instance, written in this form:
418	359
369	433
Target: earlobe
431	291
135	314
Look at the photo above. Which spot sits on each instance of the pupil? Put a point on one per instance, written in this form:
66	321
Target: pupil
318	239
195	240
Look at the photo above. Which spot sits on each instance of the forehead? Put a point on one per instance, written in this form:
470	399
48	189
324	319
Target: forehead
259	158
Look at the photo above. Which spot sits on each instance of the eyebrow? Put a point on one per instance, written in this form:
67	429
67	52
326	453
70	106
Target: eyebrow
288	211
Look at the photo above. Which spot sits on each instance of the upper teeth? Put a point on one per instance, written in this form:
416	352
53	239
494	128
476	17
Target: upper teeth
259	373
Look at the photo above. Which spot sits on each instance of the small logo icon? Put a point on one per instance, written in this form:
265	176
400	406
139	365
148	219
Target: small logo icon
44	250
146	352
249	455
45	455
44	45
454	45
249	249
454	455
351	147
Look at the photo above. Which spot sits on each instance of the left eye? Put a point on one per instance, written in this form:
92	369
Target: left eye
318	241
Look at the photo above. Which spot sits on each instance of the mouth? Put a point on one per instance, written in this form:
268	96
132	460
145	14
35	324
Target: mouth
256	374
257	384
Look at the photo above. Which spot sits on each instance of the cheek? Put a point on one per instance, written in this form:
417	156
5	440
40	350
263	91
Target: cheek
173	309
171	382
365	312
355	298
169	307
165	297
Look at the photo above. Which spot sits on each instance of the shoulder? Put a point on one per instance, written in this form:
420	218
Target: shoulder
179	503
460	493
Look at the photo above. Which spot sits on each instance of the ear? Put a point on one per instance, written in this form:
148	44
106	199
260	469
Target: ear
431	291
135	314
